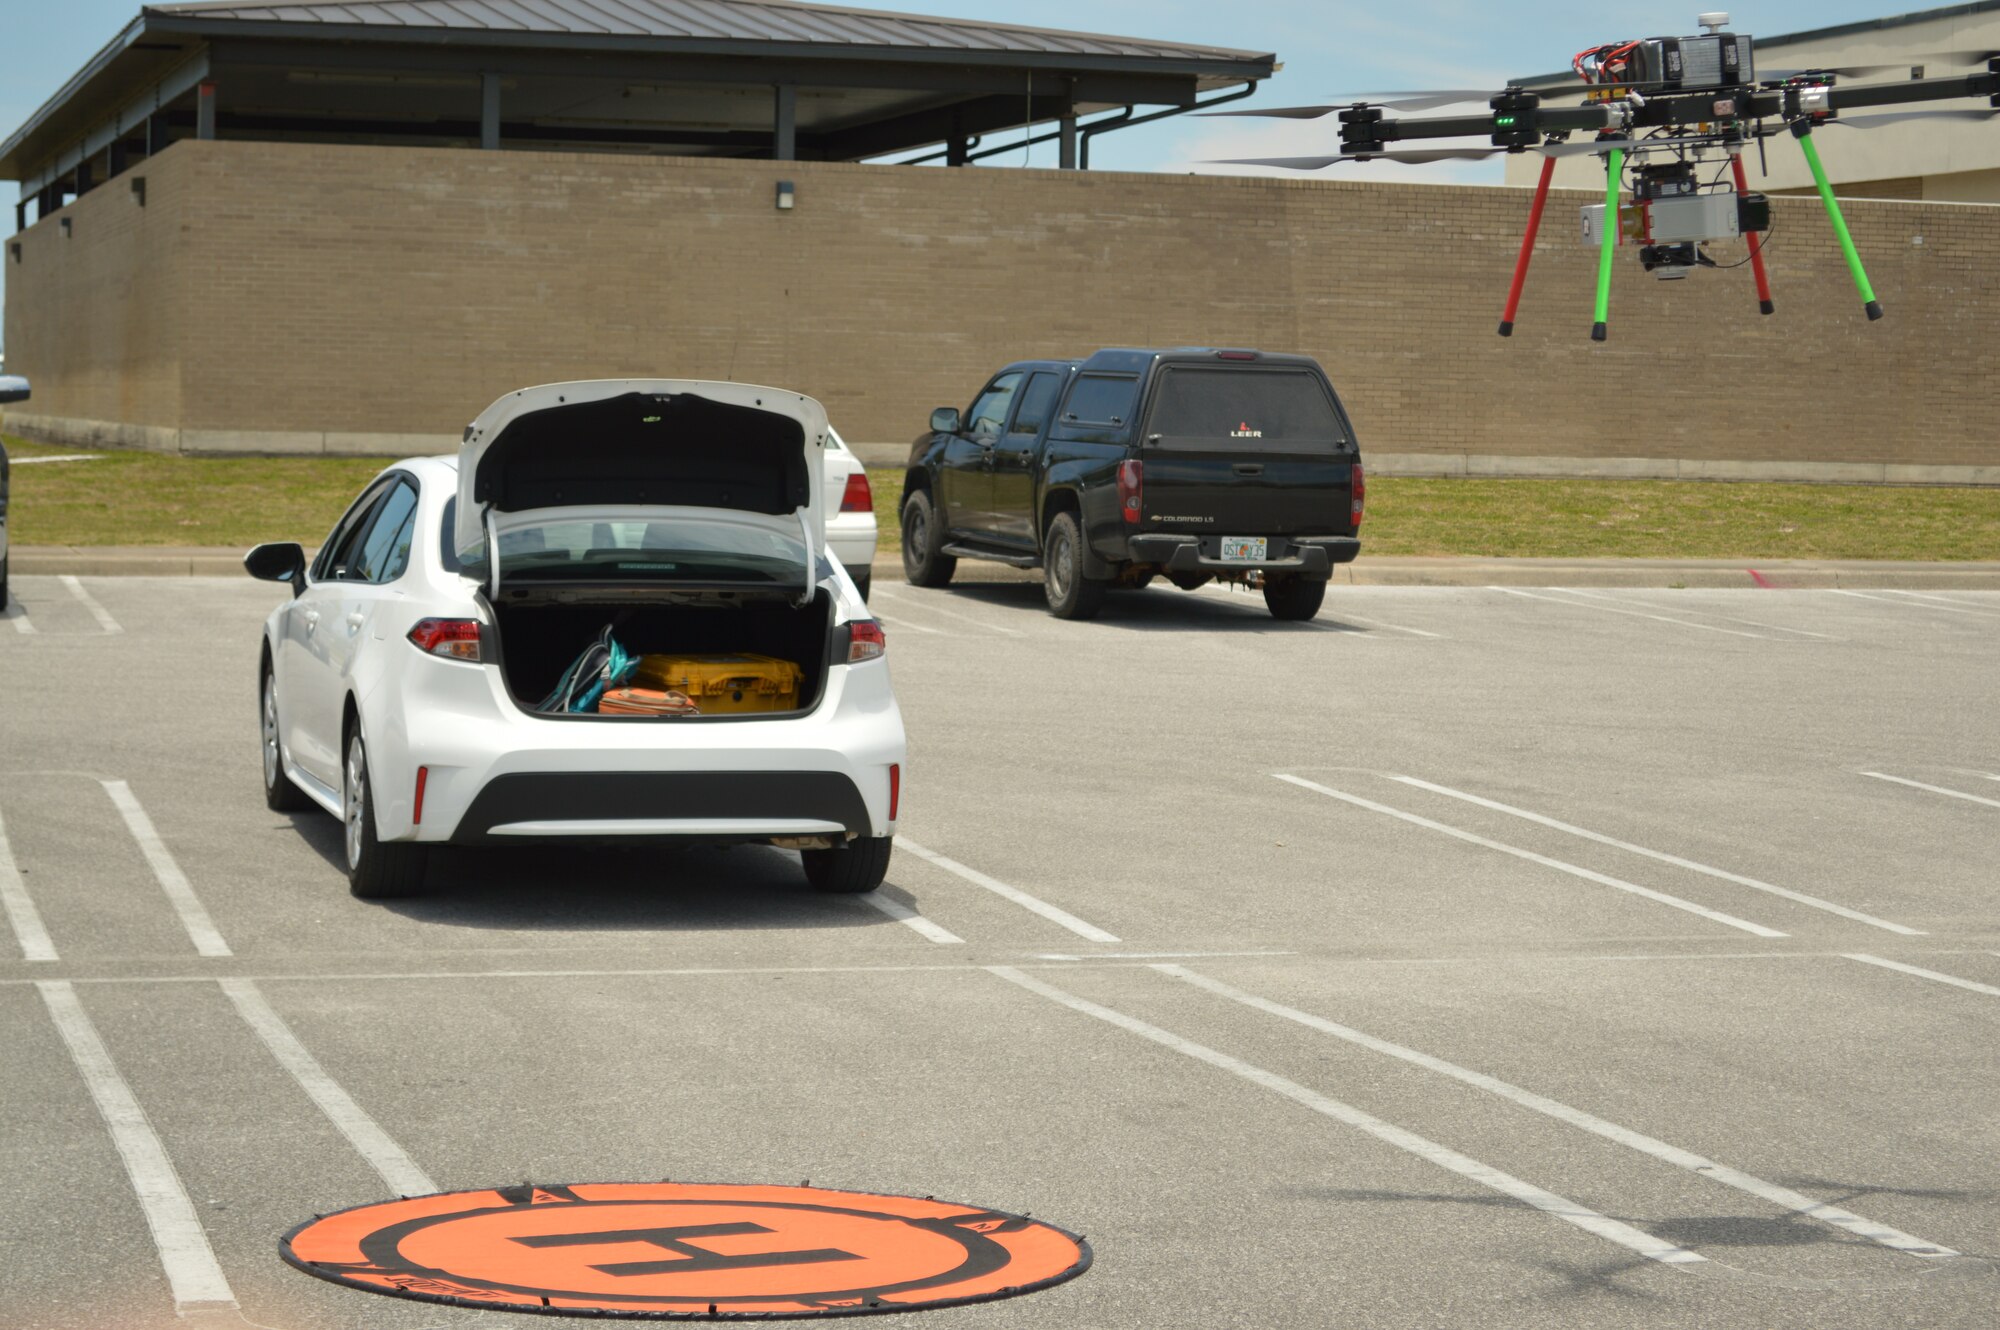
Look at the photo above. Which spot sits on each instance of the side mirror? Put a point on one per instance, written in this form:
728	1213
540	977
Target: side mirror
280	561
945	420
13	388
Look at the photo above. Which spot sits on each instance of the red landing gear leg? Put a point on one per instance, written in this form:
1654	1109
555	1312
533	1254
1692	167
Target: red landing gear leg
1528	248
1756	242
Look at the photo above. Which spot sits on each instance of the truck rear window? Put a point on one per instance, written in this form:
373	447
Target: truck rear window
1245	408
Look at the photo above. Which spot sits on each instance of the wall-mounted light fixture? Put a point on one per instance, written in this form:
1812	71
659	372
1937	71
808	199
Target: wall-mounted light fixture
65	227
139	189
785	196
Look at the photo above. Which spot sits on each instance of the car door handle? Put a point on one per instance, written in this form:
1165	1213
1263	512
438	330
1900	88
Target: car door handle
312	620
354	621
1249	468
1023	456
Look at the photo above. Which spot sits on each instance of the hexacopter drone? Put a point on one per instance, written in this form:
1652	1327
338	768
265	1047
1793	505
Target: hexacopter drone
1667	107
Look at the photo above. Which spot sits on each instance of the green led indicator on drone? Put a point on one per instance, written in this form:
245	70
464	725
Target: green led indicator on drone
1505	122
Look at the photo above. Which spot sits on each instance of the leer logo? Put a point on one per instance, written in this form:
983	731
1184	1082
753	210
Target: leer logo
685	1250
1244	431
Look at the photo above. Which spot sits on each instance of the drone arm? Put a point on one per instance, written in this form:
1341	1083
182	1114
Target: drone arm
1527	247
1986	84
1802	130
1614	171
1756	241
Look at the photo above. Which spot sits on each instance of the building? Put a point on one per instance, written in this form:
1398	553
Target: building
1939	160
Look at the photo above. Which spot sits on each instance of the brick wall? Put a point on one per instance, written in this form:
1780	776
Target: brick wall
289	297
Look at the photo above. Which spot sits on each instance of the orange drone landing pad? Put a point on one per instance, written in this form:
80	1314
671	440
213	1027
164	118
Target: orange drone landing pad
685	1251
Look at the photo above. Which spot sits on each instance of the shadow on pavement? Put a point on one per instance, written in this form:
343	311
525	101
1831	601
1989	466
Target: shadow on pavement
1158	608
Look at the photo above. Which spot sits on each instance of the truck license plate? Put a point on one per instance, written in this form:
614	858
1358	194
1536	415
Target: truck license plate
1245	549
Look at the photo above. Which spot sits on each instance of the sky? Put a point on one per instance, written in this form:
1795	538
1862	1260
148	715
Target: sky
1328	48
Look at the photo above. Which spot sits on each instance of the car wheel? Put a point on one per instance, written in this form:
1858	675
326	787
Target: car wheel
1071	595
923	538
375	871
859	866
1294	597
280	795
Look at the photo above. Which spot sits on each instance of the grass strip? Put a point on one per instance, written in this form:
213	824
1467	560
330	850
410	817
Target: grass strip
153	499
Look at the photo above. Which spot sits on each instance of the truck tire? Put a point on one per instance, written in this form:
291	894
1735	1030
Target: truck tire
1296	598
856	868
1071	595
923	539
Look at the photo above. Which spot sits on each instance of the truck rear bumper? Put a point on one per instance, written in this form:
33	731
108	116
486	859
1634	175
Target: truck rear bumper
1313	556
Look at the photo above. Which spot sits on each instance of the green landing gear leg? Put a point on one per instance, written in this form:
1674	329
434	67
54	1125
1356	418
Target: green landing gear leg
1614	171
1802	131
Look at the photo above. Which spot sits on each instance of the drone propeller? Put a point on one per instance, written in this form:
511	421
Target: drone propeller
1415	102
1840	71
1419	156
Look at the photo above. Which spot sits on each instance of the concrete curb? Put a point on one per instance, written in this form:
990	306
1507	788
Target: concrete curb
1779	574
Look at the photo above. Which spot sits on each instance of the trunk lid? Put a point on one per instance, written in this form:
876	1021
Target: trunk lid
1245	450
651	481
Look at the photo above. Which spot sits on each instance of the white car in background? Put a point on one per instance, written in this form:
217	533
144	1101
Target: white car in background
850	527
401	686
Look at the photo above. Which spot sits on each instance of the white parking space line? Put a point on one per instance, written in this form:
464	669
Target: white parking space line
923	604
1636	614
903	914
901	622
1707	614
1909	605
1573	870
59	457
1845	1220
22	916
1061	917
1932	975
1625	1235
1947	600
89	602
1342	612
1674	859
383	1155
197	1281
1935	789
194	918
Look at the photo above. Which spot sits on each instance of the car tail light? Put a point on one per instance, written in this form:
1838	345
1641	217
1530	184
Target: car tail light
895	788
858	498
1131	489
454	639
1360	493
865	641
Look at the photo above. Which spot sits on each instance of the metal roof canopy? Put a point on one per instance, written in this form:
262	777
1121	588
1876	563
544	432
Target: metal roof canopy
744	78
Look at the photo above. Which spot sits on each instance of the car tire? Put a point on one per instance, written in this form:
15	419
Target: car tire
923	540
375	871
1071	595
856	868
280	795
1294	598
3	586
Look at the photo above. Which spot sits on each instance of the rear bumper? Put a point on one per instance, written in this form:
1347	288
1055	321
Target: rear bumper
1314	556
711	806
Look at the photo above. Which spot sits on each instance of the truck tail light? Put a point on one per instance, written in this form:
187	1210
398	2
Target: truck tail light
1131	489
454	639
858	498
865	641
1360	493
895	788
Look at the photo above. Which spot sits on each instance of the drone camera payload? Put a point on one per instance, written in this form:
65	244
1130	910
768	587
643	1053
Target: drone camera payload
1677	113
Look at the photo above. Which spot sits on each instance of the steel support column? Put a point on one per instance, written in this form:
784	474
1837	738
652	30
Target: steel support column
1067	161
489	112
785	123
204	111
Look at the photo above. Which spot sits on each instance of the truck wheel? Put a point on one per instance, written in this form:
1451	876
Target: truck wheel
1071	594
858	867
1294	597
375	871
923	538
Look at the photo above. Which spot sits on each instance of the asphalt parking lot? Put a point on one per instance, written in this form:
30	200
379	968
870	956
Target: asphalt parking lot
1502	957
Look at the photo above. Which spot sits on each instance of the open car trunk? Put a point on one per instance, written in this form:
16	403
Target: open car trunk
541	632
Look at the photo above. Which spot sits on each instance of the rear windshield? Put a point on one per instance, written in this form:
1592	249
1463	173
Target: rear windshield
1245	408
647	552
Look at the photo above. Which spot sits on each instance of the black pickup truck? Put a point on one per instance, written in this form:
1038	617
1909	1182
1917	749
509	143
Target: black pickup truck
1195	465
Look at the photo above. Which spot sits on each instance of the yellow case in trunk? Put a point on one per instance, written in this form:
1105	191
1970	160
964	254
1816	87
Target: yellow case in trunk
720	685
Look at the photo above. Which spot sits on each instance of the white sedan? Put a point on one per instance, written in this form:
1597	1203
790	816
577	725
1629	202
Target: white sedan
850	529
421	682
